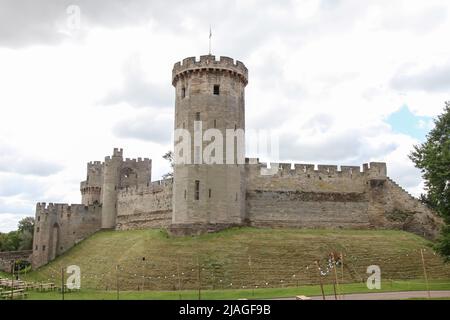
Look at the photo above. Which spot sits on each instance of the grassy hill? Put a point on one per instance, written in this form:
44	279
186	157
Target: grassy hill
278	258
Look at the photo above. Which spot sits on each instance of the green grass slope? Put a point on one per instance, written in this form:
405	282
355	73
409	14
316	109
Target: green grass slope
241	258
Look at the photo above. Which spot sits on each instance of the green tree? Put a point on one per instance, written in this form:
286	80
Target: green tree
26	240
26	224
3	237
12	242
21	239
433	159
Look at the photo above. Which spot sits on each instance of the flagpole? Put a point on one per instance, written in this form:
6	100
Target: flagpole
210	34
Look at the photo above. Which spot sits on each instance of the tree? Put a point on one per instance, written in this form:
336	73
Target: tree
21	239
26	224
3	237
169	157
433	159
26	240
12	242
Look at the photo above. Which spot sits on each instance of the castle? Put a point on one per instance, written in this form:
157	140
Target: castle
119	194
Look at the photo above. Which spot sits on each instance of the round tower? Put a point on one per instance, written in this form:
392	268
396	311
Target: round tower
92	187
111	181
209	100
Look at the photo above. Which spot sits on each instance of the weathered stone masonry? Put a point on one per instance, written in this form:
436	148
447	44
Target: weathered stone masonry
8	258
119	194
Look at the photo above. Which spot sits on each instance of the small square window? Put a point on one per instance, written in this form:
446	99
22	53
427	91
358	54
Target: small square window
216	89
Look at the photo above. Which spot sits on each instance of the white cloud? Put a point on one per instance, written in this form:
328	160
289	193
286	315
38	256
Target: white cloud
9	221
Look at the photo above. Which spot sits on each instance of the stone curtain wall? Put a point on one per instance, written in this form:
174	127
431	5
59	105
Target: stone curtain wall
8	258
145	207
405	212
305	197
307	210
332	198
58	227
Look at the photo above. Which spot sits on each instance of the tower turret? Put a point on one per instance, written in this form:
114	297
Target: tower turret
111	183
210	101
91	189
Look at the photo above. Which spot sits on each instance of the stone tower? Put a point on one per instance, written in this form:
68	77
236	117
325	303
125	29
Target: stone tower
209	194
91	189
111	181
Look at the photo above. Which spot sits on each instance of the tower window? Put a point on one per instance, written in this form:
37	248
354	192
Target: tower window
183	93
184	194
215	123
197	116
197	189
209	193
43	248
216	89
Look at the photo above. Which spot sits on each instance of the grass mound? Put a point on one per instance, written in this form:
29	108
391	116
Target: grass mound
241	258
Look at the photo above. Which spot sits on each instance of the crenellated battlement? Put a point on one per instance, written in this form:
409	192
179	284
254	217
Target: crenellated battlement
85	188
140	161
209	62
118	152
372	170
55	208
375	170
95	163
154	186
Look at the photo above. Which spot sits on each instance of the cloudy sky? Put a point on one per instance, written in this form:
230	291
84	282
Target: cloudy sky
340	81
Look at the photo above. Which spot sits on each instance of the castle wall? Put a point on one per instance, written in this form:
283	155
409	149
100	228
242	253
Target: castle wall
326	197
7	258
145	207
58	227
135	172
403	211
304	197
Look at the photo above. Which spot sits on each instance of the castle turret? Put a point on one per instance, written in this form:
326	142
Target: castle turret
111	183
91	189
209	186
